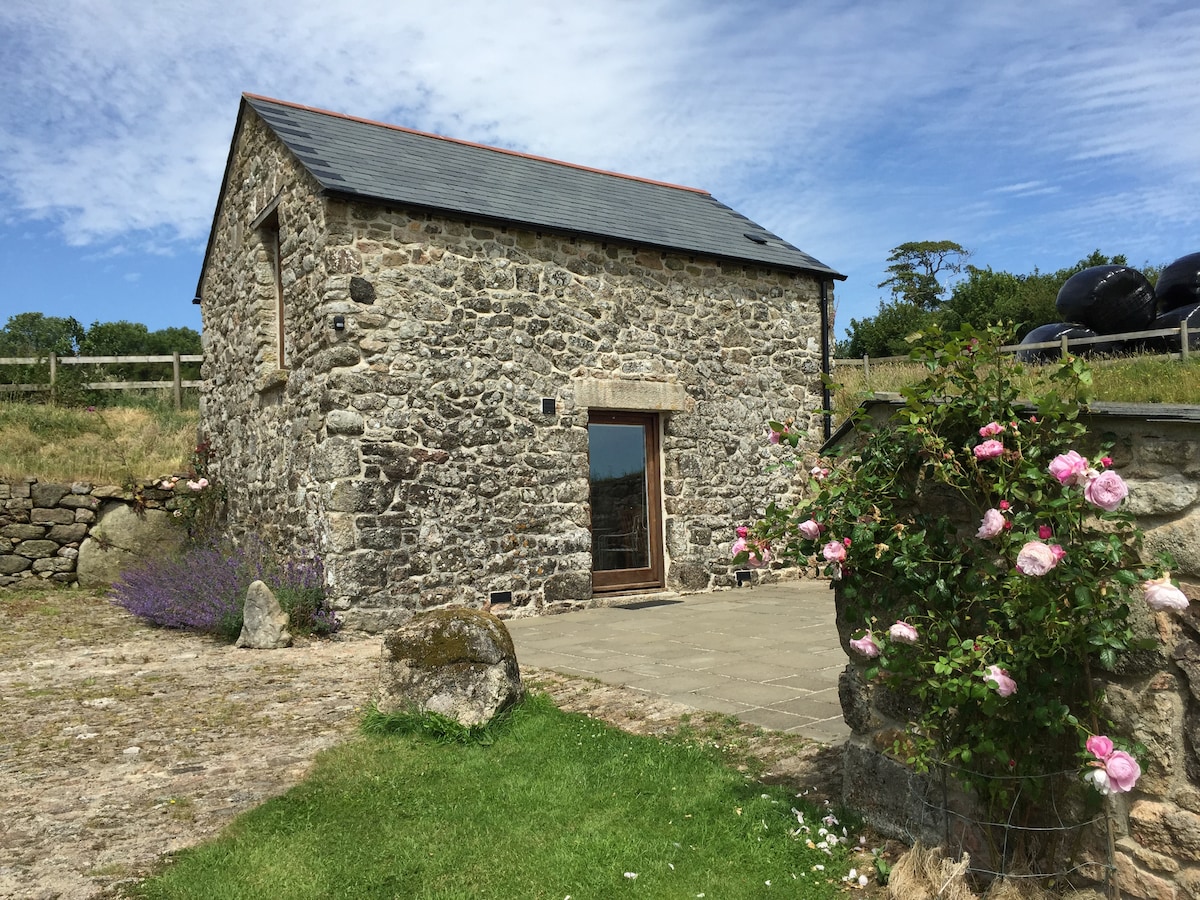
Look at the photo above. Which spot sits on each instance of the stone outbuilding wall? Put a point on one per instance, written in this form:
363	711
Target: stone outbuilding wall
1155	700
426	430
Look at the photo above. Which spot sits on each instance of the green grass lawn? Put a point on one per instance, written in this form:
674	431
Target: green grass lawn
559	805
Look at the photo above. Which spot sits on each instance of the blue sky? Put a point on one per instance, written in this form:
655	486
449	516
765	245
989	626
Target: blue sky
1030	131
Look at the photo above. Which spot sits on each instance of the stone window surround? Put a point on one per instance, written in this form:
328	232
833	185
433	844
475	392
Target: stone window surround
268	226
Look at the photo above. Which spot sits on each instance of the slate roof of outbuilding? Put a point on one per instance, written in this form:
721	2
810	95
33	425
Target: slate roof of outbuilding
357	158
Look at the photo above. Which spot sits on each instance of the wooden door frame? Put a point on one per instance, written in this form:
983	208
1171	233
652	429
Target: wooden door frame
652	576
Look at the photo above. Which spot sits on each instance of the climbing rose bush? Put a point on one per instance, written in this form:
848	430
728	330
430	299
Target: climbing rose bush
1000	547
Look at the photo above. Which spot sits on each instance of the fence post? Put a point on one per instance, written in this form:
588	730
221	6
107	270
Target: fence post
178	385
866	367
1063	345
1183	339
53	375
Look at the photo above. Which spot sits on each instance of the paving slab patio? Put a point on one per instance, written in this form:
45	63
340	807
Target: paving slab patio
767	654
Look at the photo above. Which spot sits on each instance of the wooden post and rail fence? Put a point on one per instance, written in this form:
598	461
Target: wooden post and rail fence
177	384
1063	344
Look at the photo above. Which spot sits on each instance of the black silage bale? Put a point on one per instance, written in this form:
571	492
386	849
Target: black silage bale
1179	284
1108	299
1055	331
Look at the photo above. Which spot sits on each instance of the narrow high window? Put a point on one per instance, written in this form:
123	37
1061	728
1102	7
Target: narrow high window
267	225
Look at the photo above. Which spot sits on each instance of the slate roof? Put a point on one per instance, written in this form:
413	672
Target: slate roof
357	158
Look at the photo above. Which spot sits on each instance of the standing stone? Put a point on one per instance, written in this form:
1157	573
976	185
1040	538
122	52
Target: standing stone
264	623
459	663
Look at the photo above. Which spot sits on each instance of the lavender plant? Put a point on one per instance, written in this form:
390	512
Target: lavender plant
204	588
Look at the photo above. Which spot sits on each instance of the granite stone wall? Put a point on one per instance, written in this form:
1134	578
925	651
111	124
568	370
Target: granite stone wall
44	525
1155	700
404	437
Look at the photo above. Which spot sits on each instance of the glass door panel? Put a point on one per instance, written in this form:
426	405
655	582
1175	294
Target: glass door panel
626	541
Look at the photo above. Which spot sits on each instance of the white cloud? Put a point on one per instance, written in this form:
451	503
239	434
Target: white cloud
845	128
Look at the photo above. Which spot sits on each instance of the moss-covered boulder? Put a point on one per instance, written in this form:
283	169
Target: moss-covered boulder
459	663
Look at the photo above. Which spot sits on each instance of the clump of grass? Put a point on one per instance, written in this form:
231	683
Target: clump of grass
111	446
559	805
439	727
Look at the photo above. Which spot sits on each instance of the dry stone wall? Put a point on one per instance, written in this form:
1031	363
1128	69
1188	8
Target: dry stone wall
410	447
44	527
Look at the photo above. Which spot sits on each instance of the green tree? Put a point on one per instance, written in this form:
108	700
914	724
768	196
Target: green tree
984	297
116	339
886	333
35	334
125	338
915	269
170	340
1026	301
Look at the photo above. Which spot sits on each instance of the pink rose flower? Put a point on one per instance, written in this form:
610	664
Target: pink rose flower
989	450
741	545
741	531
1059	553
1099	745
866	646
1004	504
1005	686
834	552
760	554
1116	772
1036	559
819	473
991	429
1123	771
809	530
992	525
1162	594
1069	468
903	632
1106	461
1106	490
1045	532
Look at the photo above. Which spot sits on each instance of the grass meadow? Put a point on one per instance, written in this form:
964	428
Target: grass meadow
1137	379
109	445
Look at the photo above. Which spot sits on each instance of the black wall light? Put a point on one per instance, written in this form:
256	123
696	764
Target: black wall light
339	323
548	406
745	576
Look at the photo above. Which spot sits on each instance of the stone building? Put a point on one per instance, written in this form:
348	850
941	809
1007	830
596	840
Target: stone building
464	375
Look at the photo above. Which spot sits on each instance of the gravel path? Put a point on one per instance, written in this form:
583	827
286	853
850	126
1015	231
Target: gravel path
121	744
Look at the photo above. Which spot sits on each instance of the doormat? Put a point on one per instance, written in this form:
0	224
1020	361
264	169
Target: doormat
646	604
